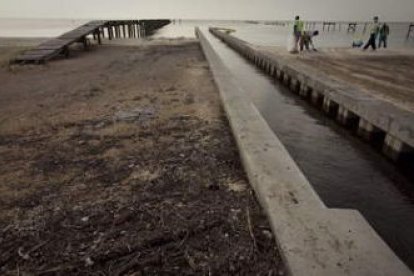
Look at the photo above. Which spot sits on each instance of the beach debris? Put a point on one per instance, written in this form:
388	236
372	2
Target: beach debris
25	256
268	234
89	262
135	114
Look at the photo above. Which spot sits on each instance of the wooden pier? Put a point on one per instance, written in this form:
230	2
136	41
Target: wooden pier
97	29
352	27
328	25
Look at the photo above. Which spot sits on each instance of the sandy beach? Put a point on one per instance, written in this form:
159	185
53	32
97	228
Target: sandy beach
119	160
385	74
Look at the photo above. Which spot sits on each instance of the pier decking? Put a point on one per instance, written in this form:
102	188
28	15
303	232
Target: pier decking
60	45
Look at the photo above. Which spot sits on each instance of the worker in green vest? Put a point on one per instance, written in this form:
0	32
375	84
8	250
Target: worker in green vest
298	28
384	32
374	30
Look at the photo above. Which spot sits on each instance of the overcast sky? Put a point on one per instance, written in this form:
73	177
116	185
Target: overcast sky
390	10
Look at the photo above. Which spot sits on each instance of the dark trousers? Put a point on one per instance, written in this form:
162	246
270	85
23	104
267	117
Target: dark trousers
371	42
304	42
382	40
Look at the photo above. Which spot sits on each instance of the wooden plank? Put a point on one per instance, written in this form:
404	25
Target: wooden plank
29	58
49	47
55	46
39	52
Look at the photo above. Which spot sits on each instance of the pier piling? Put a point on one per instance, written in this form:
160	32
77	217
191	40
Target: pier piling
352	27
410	30
394	148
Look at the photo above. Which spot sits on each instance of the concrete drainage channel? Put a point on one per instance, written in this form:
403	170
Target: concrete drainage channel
384	125
313	239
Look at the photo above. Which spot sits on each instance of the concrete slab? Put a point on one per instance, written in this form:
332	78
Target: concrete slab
313	239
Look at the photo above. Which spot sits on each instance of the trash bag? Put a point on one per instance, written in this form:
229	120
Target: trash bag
291	46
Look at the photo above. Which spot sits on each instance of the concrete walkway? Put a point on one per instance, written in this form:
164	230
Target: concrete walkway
313	239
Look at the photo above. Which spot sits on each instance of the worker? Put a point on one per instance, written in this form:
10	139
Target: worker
307	40
298	28
374	30
384	32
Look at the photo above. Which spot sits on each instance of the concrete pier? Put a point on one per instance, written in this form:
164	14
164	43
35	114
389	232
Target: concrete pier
348	103
316	98
330	107
313	239
395	148
347	118
368	131
304	90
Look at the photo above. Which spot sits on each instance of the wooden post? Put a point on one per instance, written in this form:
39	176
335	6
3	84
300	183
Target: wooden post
123	29
98	34
85	42
109	28
410	29
65	51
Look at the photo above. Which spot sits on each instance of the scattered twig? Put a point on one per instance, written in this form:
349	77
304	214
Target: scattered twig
249	224
37	247
26	256
7	228
56	269
190	260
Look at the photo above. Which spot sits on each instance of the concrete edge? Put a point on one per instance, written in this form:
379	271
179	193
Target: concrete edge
377	116
313	239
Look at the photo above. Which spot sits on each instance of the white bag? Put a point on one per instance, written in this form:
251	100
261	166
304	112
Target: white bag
291	44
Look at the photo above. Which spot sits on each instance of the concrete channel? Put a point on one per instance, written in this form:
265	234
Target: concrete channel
313	239
381	123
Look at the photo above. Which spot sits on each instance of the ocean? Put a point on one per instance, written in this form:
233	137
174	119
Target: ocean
260	33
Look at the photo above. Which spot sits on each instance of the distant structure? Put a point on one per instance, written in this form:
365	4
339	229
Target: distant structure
352	27
329	24
410	30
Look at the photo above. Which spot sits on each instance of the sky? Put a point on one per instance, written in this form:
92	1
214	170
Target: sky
389	10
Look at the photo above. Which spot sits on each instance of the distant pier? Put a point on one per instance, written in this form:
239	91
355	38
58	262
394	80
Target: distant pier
351	26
